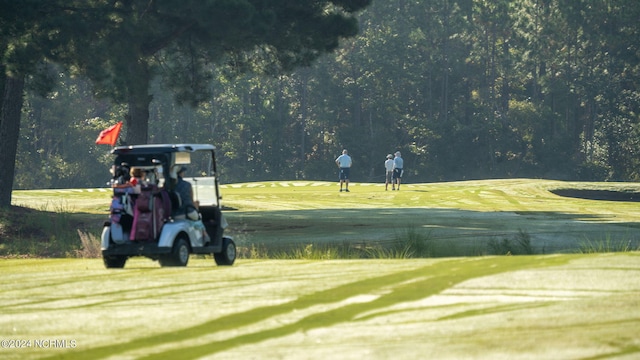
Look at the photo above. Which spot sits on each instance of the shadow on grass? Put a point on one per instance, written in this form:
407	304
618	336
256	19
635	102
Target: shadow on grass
400	287
26	232
608	195
34	233
457	232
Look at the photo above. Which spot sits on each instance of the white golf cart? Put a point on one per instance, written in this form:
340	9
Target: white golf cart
149	219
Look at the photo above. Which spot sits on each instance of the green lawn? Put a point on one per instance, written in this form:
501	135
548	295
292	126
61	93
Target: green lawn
554	304
459	218
511	307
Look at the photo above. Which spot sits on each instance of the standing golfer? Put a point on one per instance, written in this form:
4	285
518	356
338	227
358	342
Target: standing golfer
398	164
388	169
344	163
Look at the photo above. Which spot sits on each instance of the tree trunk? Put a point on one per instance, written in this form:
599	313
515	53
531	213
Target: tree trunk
10	110
137	121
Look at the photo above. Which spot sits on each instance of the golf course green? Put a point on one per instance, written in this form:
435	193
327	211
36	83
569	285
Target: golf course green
575	295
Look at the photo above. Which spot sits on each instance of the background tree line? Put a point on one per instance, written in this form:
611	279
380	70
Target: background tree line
466	89
124	46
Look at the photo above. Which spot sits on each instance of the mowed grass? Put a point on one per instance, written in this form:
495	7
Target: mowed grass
553	304
504	307
458	218
467	218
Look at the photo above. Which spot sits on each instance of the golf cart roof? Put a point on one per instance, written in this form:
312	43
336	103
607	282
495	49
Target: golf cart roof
160	148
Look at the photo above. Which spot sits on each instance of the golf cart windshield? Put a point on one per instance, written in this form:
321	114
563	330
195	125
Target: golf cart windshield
159	160
200	173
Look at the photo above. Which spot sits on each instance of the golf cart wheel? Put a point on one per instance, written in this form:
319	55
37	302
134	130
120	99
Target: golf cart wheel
179	255
114	261
228	254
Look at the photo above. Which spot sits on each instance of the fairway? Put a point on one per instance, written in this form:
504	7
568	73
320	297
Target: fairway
458	304
459	218
560	307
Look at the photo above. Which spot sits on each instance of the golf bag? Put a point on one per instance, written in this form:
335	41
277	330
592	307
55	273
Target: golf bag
152	209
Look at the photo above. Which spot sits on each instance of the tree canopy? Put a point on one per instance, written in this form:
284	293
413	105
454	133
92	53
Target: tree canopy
121	46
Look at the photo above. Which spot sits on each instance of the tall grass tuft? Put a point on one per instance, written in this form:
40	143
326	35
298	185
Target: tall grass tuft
520	245
312	251
90	246
410	243
608	245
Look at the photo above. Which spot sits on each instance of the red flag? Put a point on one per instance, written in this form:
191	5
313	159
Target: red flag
110	135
